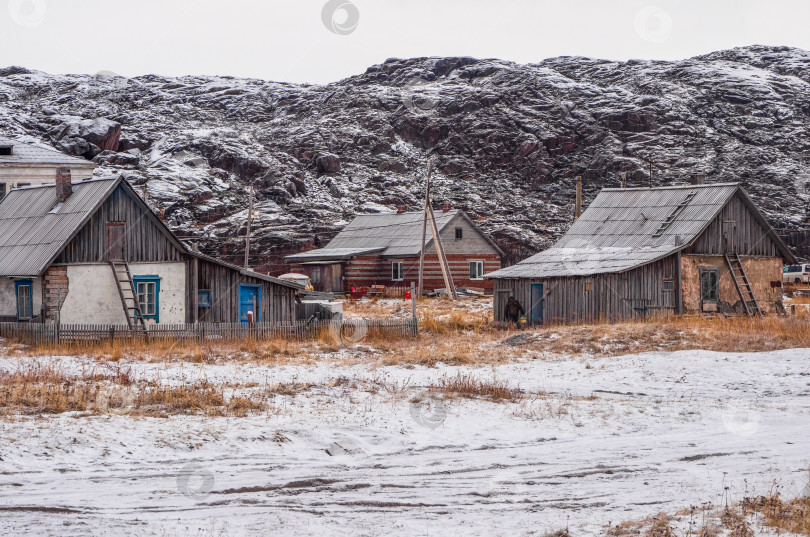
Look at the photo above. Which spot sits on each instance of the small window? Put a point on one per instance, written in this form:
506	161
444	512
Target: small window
6	150
204	298
20	185
459	233
147	289
396	271
25	308
315	275
669	285
2	191
708	284
476	270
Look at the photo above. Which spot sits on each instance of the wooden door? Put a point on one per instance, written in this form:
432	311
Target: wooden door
116	241
536	308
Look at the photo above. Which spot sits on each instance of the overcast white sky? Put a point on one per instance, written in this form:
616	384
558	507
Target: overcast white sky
316	41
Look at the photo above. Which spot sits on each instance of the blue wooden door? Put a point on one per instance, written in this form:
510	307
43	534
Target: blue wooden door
250	299
536	307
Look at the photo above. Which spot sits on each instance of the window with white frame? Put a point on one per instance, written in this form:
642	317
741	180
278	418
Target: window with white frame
315	275
397	272
476	270
147	289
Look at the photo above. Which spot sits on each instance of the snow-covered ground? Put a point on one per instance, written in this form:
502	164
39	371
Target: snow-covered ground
612	439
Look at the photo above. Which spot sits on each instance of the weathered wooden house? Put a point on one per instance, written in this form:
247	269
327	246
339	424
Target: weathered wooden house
384	249
23	164
640	251
92	252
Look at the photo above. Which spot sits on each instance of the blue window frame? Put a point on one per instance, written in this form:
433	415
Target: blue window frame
147	291
204	298
24	290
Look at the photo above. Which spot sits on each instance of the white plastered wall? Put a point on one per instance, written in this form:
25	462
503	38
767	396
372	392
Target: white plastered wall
93	297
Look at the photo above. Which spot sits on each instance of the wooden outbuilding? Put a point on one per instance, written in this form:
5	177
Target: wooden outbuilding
92	252
641	251
384	249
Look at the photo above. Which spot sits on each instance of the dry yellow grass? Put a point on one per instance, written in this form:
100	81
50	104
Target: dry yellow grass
791	516
466	385
50	391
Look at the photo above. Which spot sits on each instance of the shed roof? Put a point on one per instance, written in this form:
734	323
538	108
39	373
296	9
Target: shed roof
627	228
389	235
26	153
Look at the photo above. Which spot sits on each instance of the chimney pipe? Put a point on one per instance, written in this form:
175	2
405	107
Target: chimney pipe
578	211
446	207
401	209
64	188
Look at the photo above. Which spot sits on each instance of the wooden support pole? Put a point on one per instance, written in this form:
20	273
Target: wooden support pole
437	243
578	210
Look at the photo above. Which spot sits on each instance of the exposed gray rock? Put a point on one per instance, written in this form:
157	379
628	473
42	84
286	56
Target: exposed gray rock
508	140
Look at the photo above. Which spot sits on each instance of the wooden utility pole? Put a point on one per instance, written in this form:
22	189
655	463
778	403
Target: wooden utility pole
424	228
445	266
578	210
624	179
249	225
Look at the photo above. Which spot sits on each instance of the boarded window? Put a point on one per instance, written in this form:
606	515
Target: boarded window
476	270
459	233
669	285
396	271
709	278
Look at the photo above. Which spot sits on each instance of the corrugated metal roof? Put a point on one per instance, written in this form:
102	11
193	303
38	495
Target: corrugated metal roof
394	234
618	231
332	254
25	153
33	231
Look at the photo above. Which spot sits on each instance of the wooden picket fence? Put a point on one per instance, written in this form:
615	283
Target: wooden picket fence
346	330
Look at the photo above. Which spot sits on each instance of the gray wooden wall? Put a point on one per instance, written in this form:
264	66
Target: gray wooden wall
735	229
144	239
278	301
611	297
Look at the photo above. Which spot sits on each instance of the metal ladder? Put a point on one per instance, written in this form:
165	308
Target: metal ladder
744	288
129	300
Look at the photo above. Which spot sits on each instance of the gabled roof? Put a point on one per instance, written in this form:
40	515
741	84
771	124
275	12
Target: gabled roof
388	235
627	228
33	231
34	228
26	153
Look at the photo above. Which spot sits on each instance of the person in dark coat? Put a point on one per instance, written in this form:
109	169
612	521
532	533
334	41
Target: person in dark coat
513	310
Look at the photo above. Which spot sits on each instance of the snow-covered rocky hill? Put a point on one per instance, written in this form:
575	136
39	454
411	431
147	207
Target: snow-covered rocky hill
508	140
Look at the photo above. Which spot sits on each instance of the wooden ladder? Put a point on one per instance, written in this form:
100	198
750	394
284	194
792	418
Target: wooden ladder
128	294
743	285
